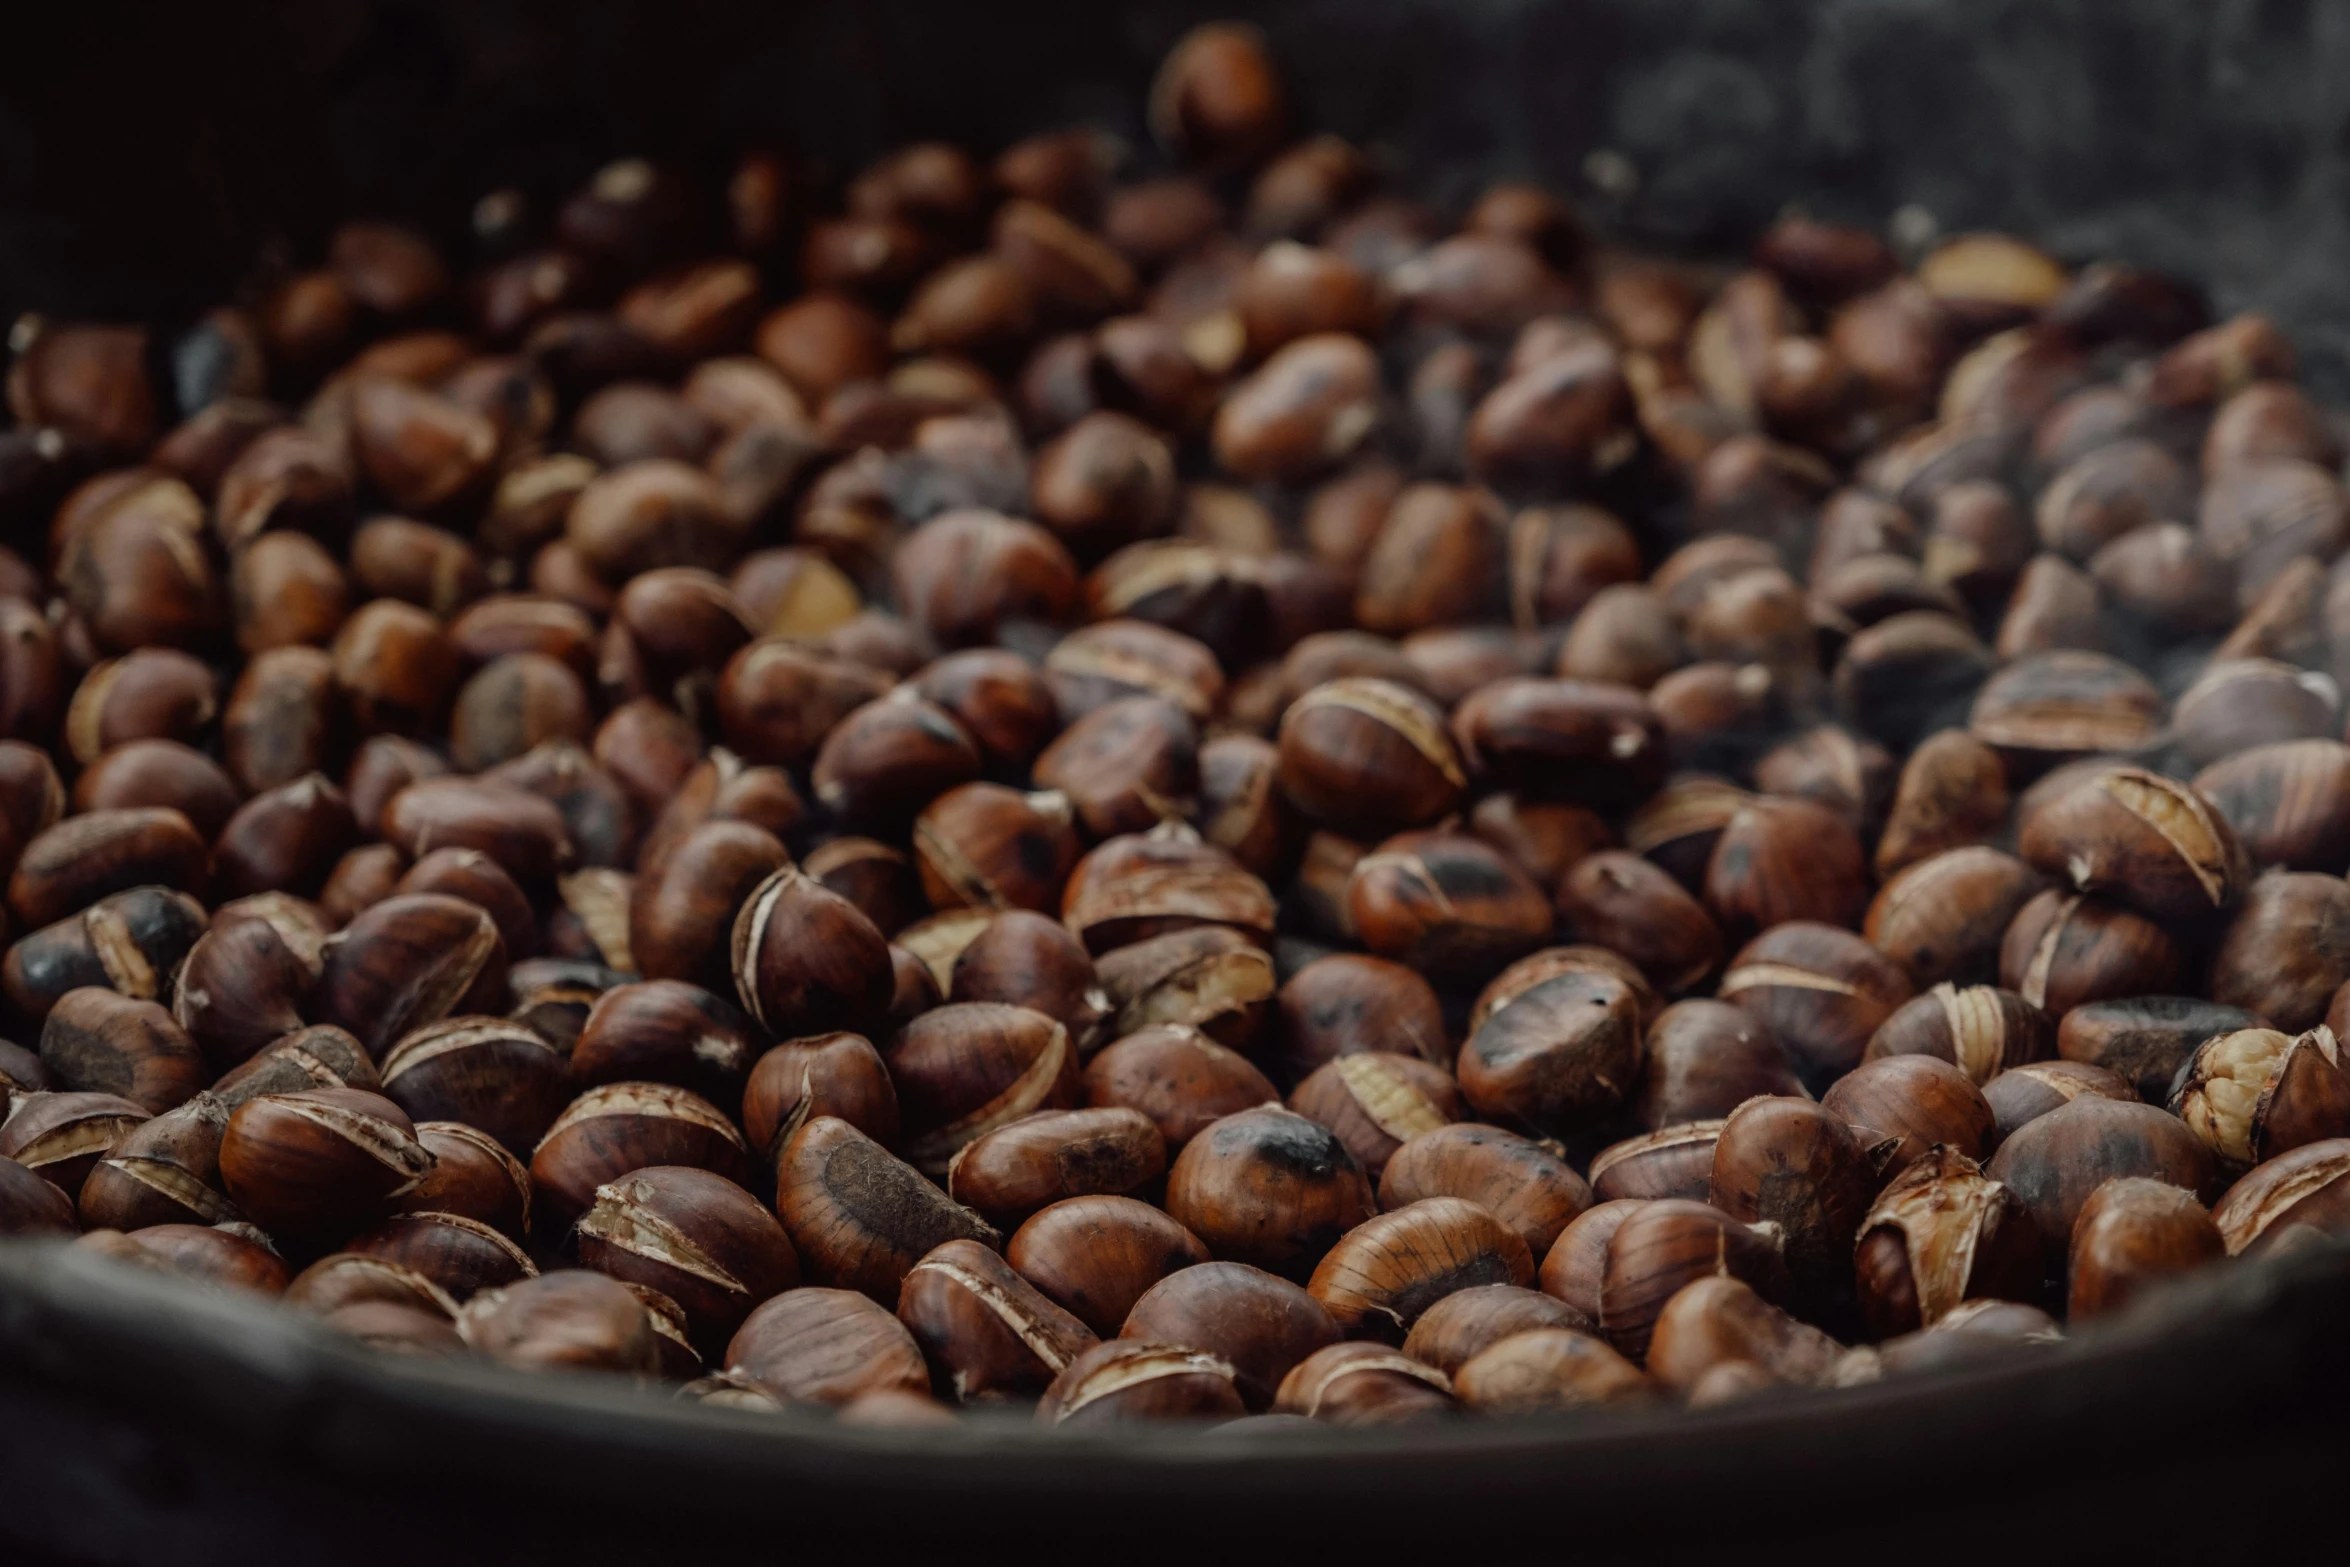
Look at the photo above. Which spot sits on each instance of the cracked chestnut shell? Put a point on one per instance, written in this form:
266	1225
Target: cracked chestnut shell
1980	1029
1134	1379
131	942
1941	1233
319	1165
459	1254
1369	757
1822	992
968	1068
574	1320
2149	842
163	1171
1363	1384
806	960
406	962
488	1072
2257	1092
988	1333
696	1237
613	1129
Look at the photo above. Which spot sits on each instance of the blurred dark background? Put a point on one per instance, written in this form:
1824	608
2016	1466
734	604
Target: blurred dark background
149	153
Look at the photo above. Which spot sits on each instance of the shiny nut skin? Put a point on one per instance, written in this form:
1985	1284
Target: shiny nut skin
1381	1275
1626	903
1655	1249
2286	951
1467	1322
1979	1029
1135	1379
2134	1233
82	859
1348	1003
459	1254
2149	842
1368	756
806	960
2065	948
1027	1163
2025	1093
2146	1039
1822	993
1446	904
1363	1384
1180	1078
406	962
318	1165
131	942
1799	1166
1270	1188
1548	1368
1558	1058
826	1346
1703	1059
472	1177
1674	1161
1096	1256
488	1072
1942	917
683	911
667	1031
1717	1320
2285	1197
1915	1102
1376	1102
2055	1162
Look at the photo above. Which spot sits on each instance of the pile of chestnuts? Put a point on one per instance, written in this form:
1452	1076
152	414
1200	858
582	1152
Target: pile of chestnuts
1173	789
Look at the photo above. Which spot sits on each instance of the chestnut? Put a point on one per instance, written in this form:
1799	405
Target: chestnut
163	1171
1348	1003
1558	1058
826	1346
459	1254
2064	949
1469	1321
406	962
695	1236
2131	1234
1268	1187
1178	1077
806	960
838	1075
2296	1191
130	942
858	1216
615	1128
1821	992
1368	756
1781	860
1979	1029
1025	1164
1703	1059
318	1057
2025	1093
84	858
2056	1161
685	906
1655	1249
2147	841
1913	1103
97	1040
1376	1102
572	1320
1209	977
2254	1093
1942	918
2145	1039
1623	902
1939	1234
30	1205
485	1071
1674	1161
1446	904
1715	1321
1798	1166
1125	766
1142	885
1363	1384
988	846
318	1165
988	1332
1132	1379
2287	948
472	1177
2284	801
1539	1370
